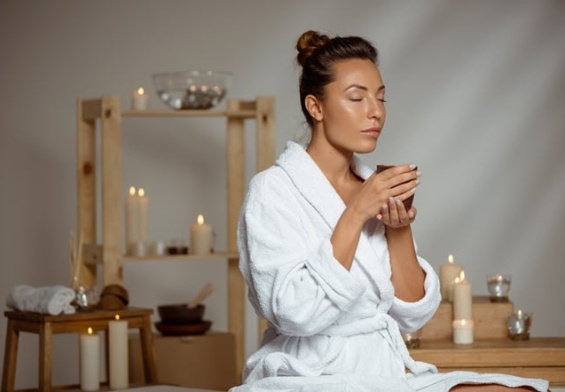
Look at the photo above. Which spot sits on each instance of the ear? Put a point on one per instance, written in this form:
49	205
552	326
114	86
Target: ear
314	107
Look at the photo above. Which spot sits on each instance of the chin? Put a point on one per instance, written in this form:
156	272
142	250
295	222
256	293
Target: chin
365	148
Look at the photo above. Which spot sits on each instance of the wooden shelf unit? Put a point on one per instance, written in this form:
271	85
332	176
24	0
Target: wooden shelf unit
108	114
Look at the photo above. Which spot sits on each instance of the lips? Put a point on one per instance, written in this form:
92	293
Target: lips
374	131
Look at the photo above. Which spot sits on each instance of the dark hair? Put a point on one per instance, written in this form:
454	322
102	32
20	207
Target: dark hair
317	53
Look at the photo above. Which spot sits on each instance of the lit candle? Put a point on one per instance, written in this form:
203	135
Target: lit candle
89	361
143	211
462	299
139	99
137	208
132	217
447	273
201	237
118	353
463	331
450	295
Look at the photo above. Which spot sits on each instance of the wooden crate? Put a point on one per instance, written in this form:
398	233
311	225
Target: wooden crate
490	320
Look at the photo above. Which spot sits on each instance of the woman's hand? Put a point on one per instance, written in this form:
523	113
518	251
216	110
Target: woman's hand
382	196
394	214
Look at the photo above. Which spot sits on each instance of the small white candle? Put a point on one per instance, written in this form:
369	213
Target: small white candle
89	361
463	331
201	236
118	353
462	299
139	99
447	273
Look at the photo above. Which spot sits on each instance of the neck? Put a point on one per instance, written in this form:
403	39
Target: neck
334	163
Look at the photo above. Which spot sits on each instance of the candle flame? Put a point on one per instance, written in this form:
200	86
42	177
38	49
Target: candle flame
141	192
457	280
450	259
463	322
132	190
200	219
89	331
462	276
140	91
519	313
118	317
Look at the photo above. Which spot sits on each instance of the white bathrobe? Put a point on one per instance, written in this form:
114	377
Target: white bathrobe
330	329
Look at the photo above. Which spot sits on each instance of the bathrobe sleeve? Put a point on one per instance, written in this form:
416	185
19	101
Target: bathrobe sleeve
294	280
412	316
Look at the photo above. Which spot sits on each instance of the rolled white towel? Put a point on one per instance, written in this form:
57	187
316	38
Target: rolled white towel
51	300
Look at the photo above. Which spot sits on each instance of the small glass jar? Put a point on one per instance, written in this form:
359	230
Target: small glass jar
412	339
498	287
519	324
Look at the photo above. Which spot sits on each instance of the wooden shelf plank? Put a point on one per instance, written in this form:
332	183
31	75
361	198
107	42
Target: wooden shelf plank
211	256
189	113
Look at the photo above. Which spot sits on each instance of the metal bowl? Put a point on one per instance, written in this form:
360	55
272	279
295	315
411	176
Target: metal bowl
185	90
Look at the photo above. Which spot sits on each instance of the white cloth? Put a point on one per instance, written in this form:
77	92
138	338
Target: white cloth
330	329
51	300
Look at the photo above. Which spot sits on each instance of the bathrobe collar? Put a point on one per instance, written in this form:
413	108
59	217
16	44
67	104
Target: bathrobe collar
313	184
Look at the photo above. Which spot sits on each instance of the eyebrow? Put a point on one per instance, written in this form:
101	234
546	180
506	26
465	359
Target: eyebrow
381	87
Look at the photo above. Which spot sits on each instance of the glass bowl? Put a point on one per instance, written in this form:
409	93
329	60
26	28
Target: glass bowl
191	89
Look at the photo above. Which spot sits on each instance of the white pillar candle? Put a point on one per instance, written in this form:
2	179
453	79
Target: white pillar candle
143	205
137	210
89	361
463	331
118	353
451	286
132	217
139	99
462	299
447	273
201	236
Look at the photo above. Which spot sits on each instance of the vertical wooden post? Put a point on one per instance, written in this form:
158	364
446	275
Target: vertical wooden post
111	189
265	147
236	188
86	187
265	123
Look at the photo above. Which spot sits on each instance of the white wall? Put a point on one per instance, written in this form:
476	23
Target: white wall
476	93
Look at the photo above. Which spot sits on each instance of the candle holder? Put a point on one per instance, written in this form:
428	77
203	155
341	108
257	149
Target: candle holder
519	324
412	339
85	299
498	287
138	249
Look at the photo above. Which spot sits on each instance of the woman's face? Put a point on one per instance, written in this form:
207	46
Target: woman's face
353	110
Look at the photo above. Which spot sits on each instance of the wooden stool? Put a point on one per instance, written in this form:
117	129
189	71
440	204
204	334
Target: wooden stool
46	325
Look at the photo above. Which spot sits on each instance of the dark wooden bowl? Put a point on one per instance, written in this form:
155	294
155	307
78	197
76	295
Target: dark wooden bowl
180	314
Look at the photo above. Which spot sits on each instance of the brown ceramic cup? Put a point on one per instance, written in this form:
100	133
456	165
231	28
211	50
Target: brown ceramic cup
408	201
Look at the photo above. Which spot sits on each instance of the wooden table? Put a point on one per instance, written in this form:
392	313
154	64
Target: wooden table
46	325
536	357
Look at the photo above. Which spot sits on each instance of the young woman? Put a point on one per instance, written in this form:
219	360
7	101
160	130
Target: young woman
327	249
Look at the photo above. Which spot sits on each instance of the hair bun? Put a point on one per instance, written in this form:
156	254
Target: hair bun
307	43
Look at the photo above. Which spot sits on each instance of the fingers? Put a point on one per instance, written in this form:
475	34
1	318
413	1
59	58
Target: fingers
394	214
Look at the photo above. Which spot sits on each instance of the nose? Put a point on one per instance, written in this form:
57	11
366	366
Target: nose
376	109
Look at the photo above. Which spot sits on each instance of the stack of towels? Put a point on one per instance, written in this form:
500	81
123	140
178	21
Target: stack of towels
51	300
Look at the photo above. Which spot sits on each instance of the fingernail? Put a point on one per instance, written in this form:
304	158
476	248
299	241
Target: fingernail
417	181
398	202
413	166
385	208
418	173
413	190
391	200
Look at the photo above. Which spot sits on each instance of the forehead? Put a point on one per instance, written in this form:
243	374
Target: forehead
356	71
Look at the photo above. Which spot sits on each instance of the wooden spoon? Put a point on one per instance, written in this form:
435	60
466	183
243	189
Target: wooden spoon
202	294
